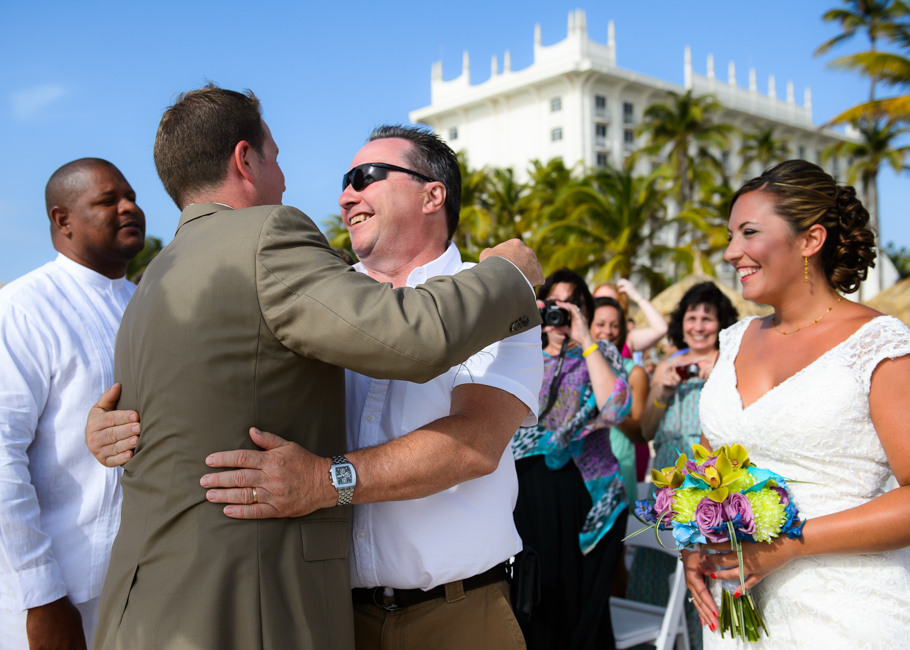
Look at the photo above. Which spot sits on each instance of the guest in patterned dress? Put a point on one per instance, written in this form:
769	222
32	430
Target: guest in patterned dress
571	505
670	419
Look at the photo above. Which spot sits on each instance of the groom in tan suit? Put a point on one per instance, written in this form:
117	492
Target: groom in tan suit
247	318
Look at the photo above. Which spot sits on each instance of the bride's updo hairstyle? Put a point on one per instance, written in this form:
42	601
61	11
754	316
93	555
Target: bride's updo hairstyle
806	195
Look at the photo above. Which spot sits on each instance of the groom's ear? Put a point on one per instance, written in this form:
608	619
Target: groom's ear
813	240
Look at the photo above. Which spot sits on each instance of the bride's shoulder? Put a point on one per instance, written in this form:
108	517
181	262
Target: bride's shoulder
871	325
877	338
734	333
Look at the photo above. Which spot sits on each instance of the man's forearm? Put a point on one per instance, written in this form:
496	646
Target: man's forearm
292	482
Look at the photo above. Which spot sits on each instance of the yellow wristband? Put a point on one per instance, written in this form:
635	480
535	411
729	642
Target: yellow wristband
659	405
589	350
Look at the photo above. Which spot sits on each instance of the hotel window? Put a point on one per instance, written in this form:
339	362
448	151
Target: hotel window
600	135
600	106
453	133
801	152
555	104
556	134
628	112
628	136
602	160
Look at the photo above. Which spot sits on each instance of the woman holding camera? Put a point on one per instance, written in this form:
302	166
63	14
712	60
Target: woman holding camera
571	505
670	418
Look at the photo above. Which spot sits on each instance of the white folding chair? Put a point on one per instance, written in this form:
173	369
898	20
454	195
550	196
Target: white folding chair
634	622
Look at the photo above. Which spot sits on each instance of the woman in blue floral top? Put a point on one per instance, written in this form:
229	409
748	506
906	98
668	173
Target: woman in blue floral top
571	505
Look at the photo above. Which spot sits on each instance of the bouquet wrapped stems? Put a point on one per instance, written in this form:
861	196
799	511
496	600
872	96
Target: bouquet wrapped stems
739	616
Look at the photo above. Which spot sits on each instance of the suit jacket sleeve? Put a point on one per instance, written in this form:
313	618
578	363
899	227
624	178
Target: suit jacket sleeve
319	307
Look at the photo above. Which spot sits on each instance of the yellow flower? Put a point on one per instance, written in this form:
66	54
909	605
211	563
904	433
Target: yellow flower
738	455
670	476
719	476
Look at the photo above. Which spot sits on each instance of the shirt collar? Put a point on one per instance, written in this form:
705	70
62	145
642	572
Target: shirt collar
87	275
449	263
196	210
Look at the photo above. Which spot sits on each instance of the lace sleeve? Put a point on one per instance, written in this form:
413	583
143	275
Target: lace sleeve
881	338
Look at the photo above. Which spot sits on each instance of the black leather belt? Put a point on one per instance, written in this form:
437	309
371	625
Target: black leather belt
403	598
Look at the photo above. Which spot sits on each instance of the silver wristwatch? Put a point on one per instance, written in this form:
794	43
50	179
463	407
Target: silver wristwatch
344	478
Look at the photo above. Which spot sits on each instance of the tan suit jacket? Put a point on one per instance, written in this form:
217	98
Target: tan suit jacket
246	319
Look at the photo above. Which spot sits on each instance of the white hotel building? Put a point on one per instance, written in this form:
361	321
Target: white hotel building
573	102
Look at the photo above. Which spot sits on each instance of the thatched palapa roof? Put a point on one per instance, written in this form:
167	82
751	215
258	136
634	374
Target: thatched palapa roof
894	301
666	300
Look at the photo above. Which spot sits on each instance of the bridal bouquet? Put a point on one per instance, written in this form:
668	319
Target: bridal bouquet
720	496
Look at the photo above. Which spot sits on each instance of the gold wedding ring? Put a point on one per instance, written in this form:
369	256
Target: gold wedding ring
255	496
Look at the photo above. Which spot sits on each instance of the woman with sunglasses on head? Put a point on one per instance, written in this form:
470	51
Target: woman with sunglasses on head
571	505
817	393
670	419
642	338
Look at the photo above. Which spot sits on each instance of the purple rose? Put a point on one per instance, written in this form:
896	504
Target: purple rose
708	514
692	467
784	496
738	504
663	504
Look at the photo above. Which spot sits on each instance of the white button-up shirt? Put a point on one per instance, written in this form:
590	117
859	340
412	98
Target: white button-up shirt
462	531
59	508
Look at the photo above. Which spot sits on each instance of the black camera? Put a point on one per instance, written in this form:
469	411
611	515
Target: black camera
555	315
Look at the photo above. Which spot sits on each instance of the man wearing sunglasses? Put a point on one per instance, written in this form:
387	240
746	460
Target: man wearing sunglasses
246	318
427	571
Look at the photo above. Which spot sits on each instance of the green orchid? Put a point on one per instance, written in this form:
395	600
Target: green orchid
702	454
719	477
738	455
670	476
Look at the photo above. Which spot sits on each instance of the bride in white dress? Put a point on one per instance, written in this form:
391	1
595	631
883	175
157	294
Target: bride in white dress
817	392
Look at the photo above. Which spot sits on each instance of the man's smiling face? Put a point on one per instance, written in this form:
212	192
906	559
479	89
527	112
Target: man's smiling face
385	217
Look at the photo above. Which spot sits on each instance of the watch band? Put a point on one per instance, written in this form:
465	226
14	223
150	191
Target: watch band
346	491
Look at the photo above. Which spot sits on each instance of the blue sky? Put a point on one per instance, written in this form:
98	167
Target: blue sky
92	78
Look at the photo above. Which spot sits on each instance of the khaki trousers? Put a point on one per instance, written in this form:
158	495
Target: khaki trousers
480	619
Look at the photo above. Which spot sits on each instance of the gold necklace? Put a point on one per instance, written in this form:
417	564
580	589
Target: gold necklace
839	298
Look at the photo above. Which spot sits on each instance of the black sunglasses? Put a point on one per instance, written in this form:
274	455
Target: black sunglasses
362	175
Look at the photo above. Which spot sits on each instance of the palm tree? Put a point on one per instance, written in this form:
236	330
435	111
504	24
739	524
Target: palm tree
337	235
475	223
504	198
762	147
605	225
138	264
877	18
887	68
686	129
876	149
880	20
545	183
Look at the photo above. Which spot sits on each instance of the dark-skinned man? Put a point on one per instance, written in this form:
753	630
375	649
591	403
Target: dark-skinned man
57	327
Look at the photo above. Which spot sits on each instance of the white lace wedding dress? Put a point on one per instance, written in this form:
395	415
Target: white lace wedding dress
816	426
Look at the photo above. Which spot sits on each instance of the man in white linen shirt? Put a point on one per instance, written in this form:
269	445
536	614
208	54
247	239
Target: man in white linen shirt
61	509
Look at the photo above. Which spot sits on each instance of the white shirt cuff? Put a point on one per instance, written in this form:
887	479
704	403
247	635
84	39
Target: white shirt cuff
36	586
522	275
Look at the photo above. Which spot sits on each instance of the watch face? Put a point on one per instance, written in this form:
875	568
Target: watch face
343	475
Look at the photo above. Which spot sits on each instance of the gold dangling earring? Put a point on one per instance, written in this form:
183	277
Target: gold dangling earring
806	269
